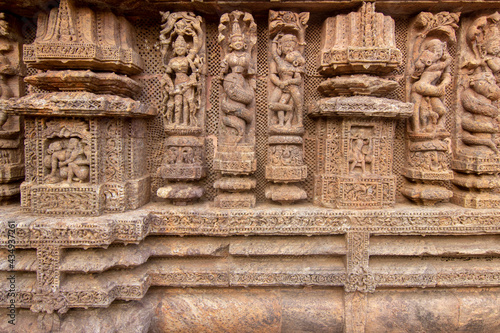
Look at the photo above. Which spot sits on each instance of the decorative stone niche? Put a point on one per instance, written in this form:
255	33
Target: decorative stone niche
85	136
355	127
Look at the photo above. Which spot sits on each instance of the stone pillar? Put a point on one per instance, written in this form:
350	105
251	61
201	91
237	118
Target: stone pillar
285	161
429	74
183	105
235	156
85	146
476	155
356	130
11	86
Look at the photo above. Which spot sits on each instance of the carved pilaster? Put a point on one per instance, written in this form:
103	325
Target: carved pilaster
183	105
235	156
429	75
285	162
11	145
476	158
48	297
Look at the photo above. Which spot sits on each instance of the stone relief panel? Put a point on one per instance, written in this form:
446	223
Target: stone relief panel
429	74
476	159
235	157
286	104
182	41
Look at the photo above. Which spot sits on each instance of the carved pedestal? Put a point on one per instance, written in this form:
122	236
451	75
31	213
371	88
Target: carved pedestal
85	139
356	147
235	156
183	106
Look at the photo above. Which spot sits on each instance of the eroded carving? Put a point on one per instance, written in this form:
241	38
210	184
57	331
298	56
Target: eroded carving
357	136
476	156
11	147
182	47
429	74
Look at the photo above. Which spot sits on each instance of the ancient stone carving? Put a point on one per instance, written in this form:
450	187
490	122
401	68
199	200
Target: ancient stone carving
287	68
183	105
85	148
11	147
85	39
182	47
476	158
354	155
359	42
235	156
429	75
67	160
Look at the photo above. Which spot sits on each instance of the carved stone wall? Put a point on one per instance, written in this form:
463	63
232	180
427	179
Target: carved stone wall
376	120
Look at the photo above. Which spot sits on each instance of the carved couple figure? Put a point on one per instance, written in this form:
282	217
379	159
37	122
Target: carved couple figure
71	163
286	75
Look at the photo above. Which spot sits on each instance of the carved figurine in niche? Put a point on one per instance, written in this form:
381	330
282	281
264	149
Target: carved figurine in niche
238	68
432	75
286	74
286	165
360	154
183	66
67	160
476	159
287	69
428	148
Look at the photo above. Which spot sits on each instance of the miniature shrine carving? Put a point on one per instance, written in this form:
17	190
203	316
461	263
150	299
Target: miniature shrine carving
428	147
235	156
357	137
83	145
183	106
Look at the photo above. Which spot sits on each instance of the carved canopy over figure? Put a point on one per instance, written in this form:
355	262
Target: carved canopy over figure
287	68
430	72
181	41
238	37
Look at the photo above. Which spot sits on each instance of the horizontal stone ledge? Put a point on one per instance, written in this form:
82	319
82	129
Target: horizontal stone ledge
267	219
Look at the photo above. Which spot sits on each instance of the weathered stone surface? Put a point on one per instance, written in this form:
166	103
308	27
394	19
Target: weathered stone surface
357	85
96	82
408	109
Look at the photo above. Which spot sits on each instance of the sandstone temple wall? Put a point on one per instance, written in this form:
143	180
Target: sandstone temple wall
250	166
